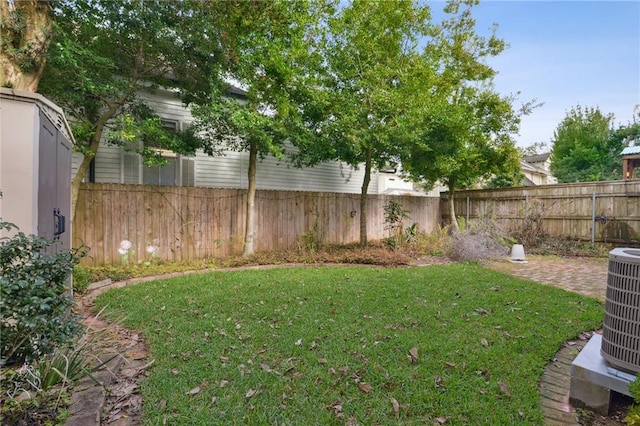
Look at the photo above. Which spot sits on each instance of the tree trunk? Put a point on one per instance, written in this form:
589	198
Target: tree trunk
363	199
249	229
452	211
92	150
26	31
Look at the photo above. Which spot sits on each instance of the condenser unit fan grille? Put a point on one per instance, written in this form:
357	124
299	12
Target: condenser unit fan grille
621	331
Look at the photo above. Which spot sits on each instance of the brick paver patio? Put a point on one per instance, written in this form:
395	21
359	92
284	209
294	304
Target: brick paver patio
586	276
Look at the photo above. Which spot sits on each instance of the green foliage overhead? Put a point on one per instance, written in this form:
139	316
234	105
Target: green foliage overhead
463	131
369	57
108	58
587	146
276	65
505	180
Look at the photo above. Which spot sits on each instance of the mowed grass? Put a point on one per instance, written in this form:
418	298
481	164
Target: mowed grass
454	344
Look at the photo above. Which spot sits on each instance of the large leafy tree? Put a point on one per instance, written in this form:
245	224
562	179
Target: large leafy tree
586	146
278	66
369	54
25	34
463	131
106	54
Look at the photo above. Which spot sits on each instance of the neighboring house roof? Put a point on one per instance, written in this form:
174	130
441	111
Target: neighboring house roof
530	172
630	150
536	158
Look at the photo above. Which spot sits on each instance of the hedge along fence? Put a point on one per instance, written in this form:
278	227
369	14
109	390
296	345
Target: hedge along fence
197	223
594	211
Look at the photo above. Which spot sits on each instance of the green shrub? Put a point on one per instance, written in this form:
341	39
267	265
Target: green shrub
633	416
34	301
82	277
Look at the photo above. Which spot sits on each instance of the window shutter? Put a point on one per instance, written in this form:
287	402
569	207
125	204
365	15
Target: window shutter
130	167
188	171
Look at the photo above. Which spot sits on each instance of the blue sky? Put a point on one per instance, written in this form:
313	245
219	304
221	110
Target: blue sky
565	53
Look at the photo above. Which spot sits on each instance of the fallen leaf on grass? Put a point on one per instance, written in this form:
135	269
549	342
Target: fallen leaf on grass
265	367
336	407
413	355
251	393
484	342
194	391
224	359
223	383
322	361
450	365
438	382
485	373
395	406
365	387
175	371
442	419
504	389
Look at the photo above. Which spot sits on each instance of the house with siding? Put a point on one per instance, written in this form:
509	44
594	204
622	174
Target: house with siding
537	170
115	164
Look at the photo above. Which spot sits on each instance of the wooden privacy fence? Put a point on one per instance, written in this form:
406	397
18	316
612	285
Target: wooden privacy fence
197	223
596	211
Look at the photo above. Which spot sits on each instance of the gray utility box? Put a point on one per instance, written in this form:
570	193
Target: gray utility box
35	166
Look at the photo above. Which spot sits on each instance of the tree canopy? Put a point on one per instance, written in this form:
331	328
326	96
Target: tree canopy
463	130
586	146
276	64
367	83
368	50
105	55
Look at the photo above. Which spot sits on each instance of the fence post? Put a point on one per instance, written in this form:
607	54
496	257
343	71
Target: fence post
593	218
467	209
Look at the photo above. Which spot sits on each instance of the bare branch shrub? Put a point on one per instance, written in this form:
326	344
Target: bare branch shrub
479	240
532	233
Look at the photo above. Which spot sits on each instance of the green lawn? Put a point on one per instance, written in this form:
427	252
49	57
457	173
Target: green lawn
333	345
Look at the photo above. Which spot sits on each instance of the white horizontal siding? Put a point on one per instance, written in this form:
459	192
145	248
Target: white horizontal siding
325	177
230	169
76	159
226	171
107	164
168	105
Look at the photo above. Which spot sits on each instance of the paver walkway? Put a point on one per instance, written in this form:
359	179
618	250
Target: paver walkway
587	276
581	275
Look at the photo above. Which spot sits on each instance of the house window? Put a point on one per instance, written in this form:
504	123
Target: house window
178	170
169	173
162	175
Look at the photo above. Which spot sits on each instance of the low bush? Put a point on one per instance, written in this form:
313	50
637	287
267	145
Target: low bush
479	240
35	302
633	416
82	277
